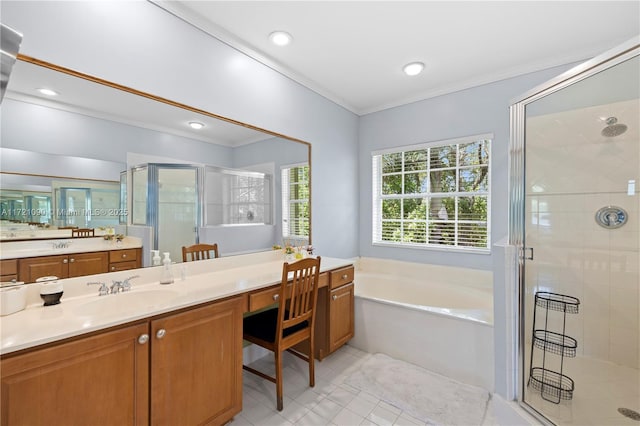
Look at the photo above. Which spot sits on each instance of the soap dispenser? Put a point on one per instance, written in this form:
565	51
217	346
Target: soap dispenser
167	274
156	259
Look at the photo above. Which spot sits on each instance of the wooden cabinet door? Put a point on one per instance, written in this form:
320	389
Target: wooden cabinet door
97	380
30	269
81	264
341	316
196	365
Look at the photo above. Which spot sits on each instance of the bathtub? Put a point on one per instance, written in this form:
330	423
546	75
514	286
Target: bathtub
440	318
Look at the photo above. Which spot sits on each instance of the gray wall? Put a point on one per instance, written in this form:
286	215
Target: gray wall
139	45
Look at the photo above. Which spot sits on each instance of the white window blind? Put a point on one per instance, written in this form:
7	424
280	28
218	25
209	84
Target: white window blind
433	195
295	202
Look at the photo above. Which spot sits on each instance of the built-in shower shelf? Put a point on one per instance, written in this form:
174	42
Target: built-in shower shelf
551	383
557	302
556	343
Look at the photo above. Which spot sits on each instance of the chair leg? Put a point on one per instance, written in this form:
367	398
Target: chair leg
312	375
279	403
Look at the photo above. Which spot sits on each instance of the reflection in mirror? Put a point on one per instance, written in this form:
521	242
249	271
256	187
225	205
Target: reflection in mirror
31	205
33	208
92	120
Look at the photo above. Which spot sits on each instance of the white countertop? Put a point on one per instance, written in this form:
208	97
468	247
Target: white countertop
82	310
35	248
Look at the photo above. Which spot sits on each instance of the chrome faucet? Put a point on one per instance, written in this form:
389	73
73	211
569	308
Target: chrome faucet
124	285
103	290
61	244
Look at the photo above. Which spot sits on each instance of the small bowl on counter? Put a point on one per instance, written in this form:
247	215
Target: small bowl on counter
50	290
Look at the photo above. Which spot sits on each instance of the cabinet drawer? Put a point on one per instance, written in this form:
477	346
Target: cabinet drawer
123	266
8	278
123	255
263	298
341	276
8	267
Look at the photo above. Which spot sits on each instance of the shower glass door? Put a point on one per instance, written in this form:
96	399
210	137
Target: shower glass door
579	277
177	209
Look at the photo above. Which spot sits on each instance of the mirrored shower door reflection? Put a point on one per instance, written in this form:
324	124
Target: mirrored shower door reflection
178	206
581	291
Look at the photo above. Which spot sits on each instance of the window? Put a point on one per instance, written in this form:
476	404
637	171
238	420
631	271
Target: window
433	195
237	197
295	202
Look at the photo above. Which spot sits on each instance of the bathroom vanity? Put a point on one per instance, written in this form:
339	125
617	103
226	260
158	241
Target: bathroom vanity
157	354
29	260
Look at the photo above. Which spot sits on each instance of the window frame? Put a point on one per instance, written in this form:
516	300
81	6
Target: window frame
286	201
378	197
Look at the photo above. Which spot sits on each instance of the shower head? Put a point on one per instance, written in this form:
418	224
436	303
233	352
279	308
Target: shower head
613	129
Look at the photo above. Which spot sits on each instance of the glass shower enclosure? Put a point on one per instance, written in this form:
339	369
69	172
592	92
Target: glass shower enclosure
575	208
166	197
178	201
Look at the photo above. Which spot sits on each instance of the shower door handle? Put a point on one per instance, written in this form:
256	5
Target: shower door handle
526	250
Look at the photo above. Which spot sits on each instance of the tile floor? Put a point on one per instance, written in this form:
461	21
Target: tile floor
330	402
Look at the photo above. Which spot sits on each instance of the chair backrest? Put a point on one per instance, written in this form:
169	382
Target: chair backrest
82	232
199	252
67	227
299	305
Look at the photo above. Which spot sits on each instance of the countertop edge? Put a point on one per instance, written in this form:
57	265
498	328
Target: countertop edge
64	324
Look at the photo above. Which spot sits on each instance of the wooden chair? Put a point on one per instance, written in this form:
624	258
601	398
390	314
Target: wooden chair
199	252
280	328
82	232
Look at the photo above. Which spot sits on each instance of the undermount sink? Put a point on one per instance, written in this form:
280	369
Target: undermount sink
125	303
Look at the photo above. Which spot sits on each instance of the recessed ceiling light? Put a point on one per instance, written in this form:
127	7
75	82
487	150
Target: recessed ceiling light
196	125
414	68
48	92
280	38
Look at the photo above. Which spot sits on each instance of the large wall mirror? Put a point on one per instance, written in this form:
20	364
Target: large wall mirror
98	144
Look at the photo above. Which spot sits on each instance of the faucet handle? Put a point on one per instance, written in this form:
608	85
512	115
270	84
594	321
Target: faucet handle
103	290
126	285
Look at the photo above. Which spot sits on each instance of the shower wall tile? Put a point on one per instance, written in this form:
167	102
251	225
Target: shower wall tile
596	338
624	348
625	240
576	256
596	301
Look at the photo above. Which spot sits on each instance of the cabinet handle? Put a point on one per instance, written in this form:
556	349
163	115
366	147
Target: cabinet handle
72	260
276	296
65	261
344	276
334	297
113	268
124	255
144	338
160	333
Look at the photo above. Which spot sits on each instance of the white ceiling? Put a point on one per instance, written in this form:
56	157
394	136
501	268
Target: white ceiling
352	52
